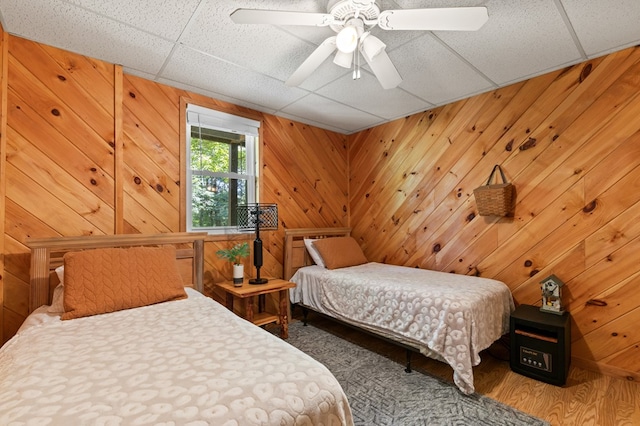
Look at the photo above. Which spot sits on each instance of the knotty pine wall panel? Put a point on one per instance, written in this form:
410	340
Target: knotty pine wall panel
570	142
304	171
61	165
151	172
58	168
6	316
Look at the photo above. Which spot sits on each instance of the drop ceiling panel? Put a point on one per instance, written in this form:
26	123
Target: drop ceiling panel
263	48
218	96
167	18
327	111
314	35
208	73
521	38
603	26
311	122
70	27
193	44
324	74
434	73
366	94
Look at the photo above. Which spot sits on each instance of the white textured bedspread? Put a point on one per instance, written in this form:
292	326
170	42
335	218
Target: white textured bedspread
186	362
447	316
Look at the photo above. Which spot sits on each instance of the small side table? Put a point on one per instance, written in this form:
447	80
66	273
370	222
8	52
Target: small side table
247	293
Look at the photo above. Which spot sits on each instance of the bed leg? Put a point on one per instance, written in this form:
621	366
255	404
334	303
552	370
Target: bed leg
408	369
305	314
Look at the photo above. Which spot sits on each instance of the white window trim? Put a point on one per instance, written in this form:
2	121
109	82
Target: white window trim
218	120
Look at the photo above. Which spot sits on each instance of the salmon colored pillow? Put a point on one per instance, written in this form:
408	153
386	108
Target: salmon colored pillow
340	252
112	279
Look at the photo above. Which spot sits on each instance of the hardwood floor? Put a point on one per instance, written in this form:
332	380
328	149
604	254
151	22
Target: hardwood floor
588	398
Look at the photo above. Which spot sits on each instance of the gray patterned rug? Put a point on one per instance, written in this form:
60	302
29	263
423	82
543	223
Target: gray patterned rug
381	393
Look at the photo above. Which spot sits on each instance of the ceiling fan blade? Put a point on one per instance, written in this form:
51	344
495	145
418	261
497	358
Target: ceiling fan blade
383	68
438	19
314	60
280	17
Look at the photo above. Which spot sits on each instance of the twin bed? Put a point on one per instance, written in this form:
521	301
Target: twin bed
121	334
449	317
130	343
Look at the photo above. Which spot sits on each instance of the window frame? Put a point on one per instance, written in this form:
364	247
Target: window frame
253	160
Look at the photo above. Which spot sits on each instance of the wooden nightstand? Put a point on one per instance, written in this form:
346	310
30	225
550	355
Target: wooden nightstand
248	292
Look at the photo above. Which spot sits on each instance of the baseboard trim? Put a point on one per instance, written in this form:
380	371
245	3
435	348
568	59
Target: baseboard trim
604	369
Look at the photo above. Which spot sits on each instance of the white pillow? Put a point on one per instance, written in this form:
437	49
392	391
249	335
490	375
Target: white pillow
313	252
57	306
60	273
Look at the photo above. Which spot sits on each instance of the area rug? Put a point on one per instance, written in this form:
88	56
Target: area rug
381	393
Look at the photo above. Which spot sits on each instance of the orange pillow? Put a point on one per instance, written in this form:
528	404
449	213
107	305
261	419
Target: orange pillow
106	280
340	252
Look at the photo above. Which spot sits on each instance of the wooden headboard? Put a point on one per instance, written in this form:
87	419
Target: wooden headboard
47	253
295	253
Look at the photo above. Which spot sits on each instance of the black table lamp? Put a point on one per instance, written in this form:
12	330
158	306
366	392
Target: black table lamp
258	216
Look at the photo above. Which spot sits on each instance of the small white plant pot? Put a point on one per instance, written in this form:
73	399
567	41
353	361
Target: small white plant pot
238	275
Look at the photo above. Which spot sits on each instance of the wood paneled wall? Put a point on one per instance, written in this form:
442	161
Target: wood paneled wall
570	142
88	150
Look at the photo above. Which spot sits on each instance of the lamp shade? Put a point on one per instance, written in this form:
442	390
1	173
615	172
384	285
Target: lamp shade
343	59
371	47
261	216
347	39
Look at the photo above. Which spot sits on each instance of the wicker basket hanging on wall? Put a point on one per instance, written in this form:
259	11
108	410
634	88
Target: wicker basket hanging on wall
495	199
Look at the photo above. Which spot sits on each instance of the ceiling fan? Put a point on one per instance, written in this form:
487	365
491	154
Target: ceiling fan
353	21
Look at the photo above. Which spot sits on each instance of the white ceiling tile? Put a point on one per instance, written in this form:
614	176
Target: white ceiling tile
315	35
366	94
217	96
138	73
313	123
208	73
323	110
166	18
266	48
521	39
324	74
248	64
434	73
603	26
64	25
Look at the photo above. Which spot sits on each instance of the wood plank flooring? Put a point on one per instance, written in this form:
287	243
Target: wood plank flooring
588	398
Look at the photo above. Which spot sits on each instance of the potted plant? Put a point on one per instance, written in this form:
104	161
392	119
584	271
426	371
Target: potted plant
235	255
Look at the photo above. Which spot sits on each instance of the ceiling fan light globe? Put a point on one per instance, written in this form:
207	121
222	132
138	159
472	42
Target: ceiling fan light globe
371	47
343	59
347	39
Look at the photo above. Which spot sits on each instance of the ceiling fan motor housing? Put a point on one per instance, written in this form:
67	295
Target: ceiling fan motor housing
348	18
345	10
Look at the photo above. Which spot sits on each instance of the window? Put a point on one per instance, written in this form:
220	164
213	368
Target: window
221	168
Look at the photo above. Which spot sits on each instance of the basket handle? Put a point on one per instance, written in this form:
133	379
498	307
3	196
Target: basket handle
497	167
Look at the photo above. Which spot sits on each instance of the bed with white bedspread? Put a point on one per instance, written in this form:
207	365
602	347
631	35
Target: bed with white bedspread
188	361
449	317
